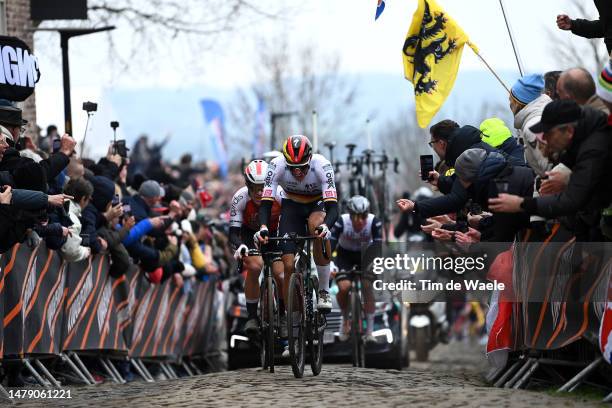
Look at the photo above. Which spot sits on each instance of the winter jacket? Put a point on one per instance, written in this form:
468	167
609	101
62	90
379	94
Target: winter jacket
29	200
502	227
601	28
72	251
120	259
139	209
523	120
138	231
513	151
589	157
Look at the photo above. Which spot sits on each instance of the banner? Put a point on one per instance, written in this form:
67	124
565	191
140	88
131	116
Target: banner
19	70
215	120
33	294
572	278
91	319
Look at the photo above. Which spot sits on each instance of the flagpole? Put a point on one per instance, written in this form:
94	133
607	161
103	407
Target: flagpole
490	69
315	132
514	48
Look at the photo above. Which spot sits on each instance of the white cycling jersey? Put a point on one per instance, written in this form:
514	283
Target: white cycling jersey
317	184
352	240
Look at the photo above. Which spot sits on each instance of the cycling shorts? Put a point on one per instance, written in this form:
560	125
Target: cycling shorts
294	218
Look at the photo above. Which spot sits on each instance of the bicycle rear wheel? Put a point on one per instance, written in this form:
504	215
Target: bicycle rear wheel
315	327
357	329
266	322
295	324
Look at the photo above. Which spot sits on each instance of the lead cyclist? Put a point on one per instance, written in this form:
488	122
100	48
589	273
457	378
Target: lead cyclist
310	200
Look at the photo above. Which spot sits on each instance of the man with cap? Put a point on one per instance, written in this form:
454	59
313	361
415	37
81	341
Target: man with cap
149	195
583	140
527	103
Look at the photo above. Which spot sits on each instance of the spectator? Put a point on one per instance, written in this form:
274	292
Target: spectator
481	172
149	195
550	84
600	28
93	213
582	137
81	190
496	134
578	85
527	103
604	86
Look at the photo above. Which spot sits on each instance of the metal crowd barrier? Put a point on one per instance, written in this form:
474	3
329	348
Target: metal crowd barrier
57	310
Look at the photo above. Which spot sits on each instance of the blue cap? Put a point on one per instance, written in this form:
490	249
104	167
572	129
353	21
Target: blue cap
528	88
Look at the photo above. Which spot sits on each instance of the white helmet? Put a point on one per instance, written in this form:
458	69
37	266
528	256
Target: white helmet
358	205
255	172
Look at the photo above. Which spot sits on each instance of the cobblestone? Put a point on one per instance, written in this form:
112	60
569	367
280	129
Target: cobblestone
453	378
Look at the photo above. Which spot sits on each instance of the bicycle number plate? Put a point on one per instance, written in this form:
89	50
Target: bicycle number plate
328	337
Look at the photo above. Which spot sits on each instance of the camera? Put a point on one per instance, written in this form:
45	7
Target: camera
90	107
119	146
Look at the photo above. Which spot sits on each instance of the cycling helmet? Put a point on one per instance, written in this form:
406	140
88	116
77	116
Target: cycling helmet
297	151
358	205
255	172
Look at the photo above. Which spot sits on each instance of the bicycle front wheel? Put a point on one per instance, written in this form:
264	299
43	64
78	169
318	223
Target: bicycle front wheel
357	329
316	327
295	324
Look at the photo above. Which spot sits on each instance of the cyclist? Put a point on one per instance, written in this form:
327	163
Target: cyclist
244	222
353	233
311	200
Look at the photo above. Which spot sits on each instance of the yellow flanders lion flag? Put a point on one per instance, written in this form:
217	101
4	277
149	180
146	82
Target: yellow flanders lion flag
432	52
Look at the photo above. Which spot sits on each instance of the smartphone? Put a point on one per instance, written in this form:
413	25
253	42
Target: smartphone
67	206
116	200
427	165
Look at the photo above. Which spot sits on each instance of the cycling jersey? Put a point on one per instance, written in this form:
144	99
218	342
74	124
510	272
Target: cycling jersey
317	184
345	236
245	213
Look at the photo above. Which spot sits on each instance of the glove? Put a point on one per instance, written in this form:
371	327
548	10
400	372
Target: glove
241	251
333	267
324	230
260	235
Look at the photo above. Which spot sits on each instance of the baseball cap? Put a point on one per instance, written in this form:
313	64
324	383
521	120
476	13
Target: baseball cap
151	189
556	113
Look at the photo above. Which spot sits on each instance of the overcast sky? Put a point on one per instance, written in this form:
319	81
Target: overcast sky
343	26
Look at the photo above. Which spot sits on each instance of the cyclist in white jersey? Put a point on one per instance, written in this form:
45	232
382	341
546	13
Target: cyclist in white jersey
352	235
311	202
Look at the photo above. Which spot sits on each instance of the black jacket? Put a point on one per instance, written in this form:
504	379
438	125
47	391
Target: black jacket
52	166
601	28
93	217
589	190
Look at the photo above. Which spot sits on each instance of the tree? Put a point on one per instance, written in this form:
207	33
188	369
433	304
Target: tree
296	79
573	51
154	25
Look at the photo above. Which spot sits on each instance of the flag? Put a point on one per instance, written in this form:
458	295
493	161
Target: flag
380	7
259	133
215	120
605	330
431	53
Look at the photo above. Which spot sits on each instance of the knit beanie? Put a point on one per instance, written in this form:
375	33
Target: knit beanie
528	88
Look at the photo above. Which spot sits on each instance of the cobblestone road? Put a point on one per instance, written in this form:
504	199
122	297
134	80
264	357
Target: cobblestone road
452	379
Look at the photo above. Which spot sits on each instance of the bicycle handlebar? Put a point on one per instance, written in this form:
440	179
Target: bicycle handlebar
296	238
